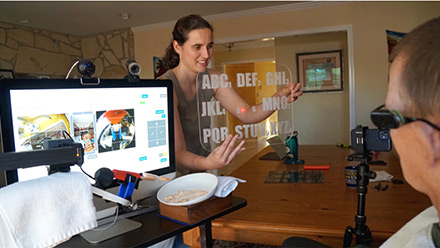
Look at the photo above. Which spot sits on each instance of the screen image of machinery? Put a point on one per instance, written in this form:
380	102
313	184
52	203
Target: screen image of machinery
122	128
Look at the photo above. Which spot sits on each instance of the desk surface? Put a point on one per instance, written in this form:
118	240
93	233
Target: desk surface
154	229
276	211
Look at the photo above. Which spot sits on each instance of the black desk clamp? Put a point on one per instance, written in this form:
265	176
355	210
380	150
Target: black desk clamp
58	154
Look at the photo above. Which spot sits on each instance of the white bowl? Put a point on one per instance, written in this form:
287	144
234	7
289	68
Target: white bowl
196	181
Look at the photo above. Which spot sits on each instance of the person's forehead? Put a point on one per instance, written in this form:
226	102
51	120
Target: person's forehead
395	72
393	99
198	35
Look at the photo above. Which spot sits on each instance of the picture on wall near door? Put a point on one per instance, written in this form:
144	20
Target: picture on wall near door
320	71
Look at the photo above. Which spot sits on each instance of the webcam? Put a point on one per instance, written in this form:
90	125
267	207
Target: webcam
86	68
133	71
133	67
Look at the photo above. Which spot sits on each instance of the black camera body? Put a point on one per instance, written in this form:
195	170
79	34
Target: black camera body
86	68
377	140
364	141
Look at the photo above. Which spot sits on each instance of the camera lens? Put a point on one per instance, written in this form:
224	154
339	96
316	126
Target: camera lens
133	67
86	67
384	135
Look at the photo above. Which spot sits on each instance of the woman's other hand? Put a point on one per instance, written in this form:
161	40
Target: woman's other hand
225	153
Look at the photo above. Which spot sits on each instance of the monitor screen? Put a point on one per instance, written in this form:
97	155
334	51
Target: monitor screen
121	125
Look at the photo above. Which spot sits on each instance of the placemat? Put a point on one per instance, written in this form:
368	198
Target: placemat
315	176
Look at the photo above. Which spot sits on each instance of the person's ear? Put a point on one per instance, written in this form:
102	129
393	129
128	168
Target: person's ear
177	47
430	138
436	144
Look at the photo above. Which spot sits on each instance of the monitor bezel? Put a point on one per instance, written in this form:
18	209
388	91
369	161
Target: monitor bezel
6	125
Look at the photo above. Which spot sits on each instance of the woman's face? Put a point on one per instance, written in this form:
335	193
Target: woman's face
196	52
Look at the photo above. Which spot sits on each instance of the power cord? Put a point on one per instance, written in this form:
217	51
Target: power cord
114	221
71	68
67	136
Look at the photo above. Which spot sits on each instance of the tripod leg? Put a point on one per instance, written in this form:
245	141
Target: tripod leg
348	236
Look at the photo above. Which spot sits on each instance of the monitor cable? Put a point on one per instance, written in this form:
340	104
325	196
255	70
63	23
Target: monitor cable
71	68
111	224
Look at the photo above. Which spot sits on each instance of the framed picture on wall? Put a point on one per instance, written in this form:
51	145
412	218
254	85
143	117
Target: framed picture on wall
6	74
320	71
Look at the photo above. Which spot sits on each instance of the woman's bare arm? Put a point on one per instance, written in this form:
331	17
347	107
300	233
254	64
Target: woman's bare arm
231	100
219	158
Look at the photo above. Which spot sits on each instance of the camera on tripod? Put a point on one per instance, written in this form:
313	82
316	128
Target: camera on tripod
364	141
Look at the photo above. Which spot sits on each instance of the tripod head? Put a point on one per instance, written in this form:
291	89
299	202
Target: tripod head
359	145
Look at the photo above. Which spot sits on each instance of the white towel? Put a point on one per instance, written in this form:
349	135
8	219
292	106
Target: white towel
226	185
46	211
382	176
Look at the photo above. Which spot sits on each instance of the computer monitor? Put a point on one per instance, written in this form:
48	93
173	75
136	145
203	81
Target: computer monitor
122	125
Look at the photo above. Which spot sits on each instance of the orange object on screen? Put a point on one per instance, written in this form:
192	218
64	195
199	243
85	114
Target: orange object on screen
115	116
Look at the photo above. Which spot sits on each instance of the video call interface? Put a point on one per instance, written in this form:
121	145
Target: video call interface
119	128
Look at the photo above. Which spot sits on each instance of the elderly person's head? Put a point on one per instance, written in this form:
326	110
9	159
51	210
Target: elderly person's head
414	91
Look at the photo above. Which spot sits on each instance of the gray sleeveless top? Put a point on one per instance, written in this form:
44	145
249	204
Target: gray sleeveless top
192	123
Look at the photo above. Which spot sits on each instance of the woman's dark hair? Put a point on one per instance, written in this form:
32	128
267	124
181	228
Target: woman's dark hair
181	30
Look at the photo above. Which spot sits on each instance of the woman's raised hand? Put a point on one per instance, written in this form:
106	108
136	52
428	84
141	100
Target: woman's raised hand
225	153
291	90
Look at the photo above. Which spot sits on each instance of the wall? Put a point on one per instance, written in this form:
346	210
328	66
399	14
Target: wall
243	55
33	52
369	21
319	118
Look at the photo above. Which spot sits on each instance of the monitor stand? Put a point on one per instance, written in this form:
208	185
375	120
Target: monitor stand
108	231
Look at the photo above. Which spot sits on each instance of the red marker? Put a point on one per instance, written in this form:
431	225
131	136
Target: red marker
316	167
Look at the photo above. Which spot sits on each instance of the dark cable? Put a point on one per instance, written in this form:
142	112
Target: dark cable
68	135
65	133
85	172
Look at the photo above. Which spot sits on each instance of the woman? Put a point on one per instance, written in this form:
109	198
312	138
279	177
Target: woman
188	55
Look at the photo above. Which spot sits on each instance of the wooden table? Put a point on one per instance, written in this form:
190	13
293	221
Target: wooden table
320	211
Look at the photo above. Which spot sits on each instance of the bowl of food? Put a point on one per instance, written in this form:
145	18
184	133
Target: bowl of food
189	189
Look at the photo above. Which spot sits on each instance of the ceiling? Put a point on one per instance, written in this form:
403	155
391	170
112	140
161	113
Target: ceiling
85	18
